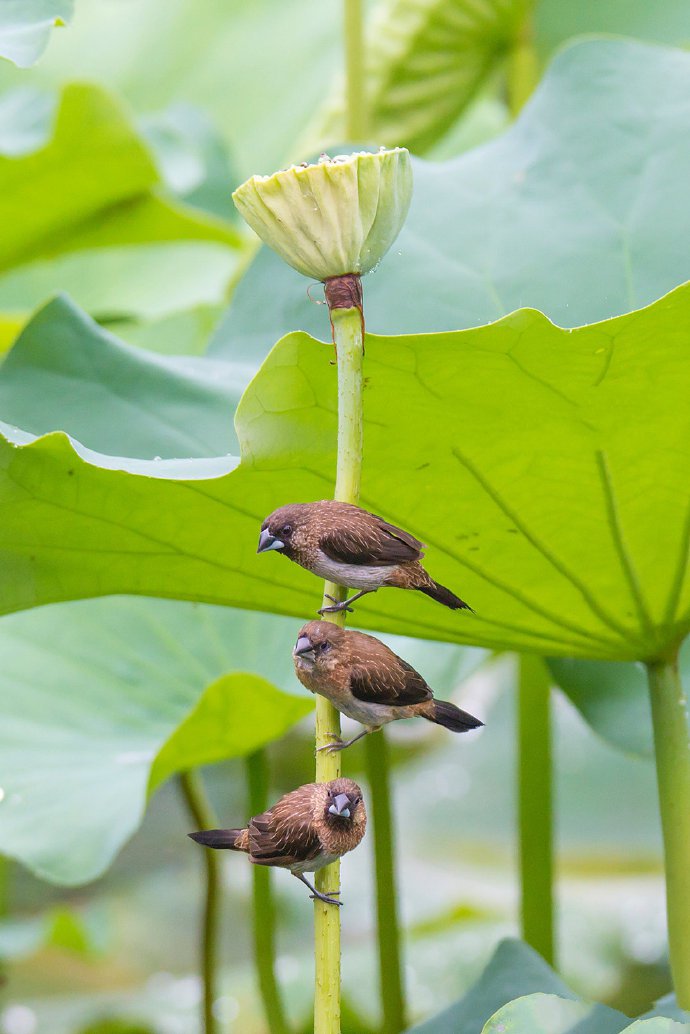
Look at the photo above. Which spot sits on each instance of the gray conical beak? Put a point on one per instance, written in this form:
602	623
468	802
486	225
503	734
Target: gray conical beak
341	806
267	541
303	646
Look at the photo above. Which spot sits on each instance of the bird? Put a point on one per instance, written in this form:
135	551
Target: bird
305	830
353	548
368	682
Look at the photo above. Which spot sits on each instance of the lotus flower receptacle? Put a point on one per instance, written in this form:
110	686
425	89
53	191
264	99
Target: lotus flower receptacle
336	217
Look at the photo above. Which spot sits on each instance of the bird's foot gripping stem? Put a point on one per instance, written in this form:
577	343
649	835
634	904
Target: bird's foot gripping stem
345	604
332	748
328	898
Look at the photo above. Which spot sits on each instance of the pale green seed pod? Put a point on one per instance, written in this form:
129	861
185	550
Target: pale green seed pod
338	216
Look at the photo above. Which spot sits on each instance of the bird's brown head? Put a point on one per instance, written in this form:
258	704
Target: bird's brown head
344	806
286	529
319	647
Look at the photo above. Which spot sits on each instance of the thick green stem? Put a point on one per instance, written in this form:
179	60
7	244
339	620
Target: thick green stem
202	815
355	86
672	746
535	806
390	969
263	912
347	333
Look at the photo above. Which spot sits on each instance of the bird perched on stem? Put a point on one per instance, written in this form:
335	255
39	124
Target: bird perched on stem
305	830
353	548
367	681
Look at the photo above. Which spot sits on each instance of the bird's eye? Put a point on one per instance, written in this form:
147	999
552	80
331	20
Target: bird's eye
324	647
286	529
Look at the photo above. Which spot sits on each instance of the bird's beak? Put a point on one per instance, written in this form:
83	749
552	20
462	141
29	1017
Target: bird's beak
341	806
303	646
267	541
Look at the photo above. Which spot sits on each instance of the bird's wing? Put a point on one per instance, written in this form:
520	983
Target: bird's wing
379	677
285	833
364	538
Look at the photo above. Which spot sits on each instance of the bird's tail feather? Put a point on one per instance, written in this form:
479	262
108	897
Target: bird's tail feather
231	839
451	717
444	596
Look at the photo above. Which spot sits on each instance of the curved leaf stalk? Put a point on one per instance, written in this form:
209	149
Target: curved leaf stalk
390	968
263	906
347	334
535	806
356	123
672	747
201	813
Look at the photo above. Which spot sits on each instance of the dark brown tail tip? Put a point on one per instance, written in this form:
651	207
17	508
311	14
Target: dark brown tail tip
446	597
217	838
451	717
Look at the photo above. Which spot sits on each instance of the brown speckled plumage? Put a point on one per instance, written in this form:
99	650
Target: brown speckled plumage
352	547
299	832
367	681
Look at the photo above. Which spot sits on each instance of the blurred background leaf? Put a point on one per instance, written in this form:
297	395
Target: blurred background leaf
25	27
118	694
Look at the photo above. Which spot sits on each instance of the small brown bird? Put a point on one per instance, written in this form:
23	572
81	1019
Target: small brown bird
353	548
306	830
367	681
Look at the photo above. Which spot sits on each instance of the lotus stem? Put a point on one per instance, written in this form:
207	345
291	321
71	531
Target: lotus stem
349	343
672	747
535	806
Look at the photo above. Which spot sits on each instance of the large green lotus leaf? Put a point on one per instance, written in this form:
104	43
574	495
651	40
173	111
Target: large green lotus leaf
25	27
519	452
425	62
113	397
579	210
92	184
100	701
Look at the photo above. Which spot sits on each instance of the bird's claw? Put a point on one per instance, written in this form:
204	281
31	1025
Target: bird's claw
328	898
337	608
331	748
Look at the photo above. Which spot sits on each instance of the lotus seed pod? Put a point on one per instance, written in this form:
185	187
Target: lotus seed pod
335	217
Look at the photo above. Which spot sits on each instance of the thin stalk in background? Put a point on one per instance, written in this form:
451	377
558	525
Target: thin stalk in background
390	968
263	907
347	334
672	746
535	806
356	116
523	68
201	813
